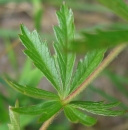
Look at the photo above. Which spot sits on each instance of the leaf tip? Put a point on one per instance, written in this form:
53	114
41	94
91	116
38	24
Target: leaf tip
21	24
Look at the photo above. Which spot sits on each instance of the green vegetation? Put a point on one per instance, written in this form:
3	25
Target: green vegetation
58	69
70	79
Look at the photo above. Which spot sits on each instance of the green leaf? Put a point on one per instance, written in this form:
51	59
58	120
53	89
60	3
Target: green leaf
86	67
38	51
98	108
99	40
76	116
64	32
38	109
33	92
70	114
14	117
119	7
106	96
98	105
51	111
105	112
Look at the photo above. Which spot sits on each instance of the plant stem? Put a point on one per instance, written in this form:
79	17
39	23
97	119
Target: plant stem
47	123
95	73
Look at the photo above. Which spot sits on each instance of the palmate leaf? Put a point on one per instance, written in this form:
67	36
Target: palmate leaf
32	91
119	7
64	33
58	71
38	51
98	108
14	117
99	40
76	116
86	67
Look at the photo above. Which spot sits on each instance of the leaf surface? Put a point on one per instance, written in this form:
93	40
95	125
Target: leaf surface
94	105
64	32
51	111
32	91
43	108
98	108
76	116
38	51
85	67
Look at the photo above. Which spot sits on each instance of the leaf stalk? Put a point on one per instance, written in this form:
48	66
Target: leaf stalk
47	123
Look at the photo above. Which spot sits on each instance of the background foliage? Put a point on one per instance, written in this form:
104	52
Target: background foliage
12	62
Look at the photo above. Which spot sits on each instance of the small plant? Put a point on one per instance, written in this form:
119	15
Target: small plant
58	69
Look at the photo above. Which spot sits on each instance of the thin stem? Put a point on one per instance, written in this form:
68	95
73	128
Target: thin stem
95	73
47	123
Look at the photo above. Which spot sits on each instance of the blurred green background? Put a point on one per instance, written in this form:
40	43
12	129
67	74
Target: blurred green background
111	85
